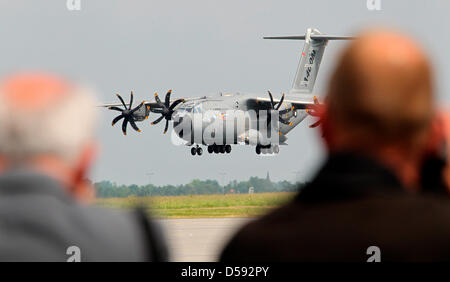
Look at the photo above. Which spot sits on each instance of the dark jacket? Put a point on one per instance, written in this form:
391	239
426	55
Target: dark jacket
39	221
353	203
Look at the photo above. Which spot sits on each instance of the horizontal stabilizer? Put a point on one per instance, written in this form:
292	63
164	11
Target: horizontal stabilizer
313	36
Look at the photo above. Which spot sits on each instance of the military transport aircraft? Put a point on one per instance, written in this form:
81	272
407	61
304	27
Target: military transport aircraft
282	114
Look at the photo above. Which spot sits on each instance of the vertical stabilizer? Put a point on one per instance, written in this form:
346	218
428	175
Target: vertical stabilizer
309	64
310	58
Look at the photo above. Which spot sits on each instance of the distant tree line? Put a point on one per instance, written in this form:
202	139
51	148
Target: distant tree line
107	189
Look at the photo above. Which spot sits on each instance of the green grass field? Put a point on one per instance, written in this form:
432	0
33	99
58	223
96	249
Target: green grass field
230	205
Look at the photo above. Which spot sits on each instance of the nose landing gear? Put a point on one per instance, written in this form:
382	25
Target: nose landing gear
196	151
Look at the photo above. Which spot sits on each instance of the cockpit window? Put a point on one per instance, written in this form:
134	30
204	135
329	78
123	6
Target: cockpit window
185	109
198	108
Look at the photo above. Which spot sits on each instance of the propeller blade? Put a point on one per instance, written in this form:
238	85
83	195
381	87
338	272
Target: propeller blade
138	107
282	120
124	126
121	100
271	100
285	111
166	127
167	101
158	101
316	101
117	118
280	103
174	104
131	100
316	124
157	120
312	112
134	126
115	109
316	109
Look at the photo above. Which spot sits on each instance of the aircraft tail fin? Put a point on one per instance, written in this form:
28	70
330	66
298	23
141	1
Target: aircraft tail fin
311	57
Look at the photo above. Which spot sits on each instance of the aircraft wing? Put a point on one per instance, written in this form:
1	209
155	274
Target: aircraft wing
152	103
298	103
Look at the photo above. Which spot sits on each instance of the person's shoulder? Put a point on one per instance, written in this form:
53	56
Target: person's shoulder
127	234
33	202
431	205
437	204
256	238
105	217
280	217
399	218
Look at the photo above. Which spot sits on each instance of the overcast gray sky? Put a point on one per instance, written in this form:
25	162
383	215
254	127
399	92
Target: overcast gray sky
195	48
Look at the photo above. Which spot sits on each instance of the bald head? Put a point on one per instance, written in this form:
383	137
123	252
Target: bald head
33	91
42	115
381	92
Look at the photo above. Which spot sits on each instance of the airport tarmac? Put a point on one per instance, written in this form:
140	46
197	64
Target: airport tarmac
199	239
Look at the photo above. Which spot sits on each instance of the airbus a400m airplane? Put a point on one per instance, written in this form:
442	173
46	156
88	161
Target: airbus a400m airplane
197	119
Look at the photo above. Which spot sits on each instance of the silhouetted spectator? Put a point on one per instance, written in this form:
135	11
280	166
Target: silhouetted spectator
46	149
376	126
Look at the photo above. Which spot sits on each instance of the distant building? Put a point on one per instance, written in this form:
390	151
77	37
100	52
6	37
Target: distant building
251	190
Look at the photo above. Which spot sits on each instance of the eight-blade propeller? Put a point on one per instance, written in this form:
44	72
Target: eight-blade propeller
126	114
165	109
276	106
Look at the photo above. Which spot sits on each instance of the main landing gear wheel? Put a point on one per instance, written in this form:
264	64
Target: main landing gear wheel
199	151
276	149
219	149
272	149
193	151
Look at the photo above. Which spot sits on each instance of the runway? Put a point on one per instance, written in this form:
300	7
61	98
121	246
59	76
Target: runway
200	239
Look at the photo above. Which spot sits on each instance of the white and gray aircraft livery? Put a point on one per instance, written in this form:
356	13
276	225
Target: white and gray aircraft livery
226	119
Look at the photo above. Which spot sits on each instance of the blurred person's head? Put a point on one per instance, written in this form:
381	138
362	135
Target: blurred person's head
380	102
47	125
446	126
442	145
